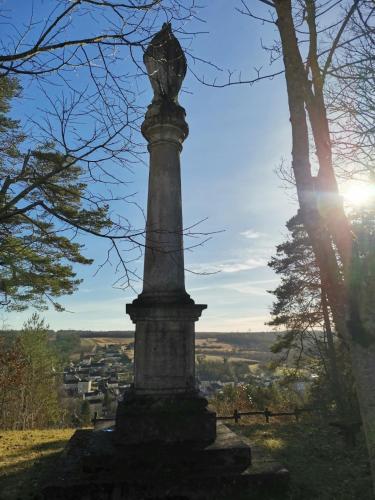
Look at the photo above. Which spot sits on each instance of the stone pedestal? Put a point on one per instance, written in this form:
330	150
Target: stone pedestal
96	467
182	420
164	405
164	353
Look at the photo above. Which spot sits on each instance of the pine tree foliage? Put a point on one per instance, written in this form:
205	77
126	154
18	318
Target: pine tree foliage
301	310
297	308
44	203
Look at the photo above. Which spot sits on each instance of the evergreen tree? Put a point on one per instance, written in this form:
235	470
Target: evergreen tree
363	273
298	298
301	309
43	199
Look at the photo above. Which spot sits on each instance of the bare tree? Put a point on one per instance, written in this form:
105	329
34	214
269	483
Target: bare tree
80	61
318	41
320	205
350	97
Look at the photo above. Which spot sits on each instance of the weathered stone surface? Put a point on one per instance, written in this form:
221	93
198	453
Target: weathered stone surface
95	467
164	313
166	64
165	129
181	419
100	453
164	347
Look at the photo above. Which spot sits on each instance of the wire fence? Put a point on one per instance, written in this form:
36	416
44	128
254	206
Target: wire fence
267	413
236	416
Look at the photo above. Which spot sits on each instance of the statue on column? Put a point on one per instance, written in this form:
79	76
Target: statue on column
166	65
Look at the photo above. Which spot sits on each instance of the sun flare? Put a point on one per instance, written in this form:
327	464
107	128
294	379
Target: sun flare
359	194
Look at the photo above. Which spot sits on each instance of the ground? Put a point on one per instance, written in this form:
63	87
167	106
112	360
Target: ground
320	465
26	458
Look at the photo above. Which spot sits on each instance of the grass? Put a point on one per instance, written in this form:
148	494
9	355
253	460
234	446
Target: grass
321	467
26	458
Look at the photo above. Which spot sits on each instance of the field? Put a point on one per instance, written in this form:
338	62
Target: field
251	347
89	344
321	467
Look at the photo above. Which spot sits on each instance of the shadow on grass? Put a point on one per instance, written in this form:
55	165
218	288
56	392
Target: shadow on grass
48	447
23	480
321	466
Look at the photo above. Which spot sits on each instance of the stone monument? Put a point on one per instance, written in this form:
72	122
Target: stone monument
165	443
164	404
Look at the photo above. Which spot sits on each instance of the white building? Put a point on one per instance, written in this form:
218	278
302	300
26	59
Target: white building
84	386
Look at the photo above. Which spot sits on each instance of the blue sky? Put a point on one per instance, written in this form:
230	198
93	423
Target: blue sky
238	136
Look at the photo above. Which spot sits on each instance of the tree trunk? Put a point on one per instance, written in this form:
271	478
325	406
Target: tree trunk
338	387
330	224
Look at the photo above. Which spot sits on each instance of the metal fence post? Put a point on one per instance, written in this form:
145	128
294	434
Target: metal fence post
236	416
95	418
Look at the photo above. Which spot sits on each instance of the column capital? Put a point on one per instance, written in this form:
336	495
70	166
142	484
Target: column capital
164	312
165	122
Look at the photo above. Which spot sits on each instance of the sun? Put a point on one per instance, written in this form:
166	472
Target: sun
358	194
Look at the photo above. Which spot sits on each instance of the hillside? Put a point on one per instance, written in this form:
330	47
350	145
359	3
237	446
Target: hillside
260	341
253	347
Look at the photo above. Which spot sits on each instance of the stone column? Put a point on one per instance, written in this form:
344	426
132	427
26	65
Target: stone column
164	404
165	129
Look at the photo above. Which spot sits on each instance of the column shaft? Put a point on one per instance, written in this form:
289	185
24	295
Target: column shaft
164	259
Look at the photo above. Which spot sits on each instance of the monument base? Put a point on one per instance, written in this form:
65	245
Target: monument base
95	467
179	419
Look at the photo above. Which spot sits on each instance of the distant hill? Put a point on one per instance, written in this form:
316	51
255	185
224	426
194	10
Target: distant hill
254	346
114	334
240	339
249	340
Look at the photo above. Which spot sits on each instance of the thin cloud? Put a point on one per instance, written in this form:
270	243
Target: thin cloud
248	264
230	266
250	234
246	289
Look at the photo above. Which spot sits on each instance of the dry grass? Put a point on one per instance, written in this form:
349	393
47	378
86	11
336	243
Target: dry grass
89	343
213	358
25	460
213	344
321	466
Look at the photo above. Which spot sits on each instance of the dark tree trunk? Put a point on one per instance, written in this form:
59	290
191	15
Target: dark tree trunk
338	387
322	212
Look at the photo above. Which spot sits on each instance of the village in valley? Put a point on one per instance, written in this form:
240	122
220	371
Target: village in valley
99	379
100	369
